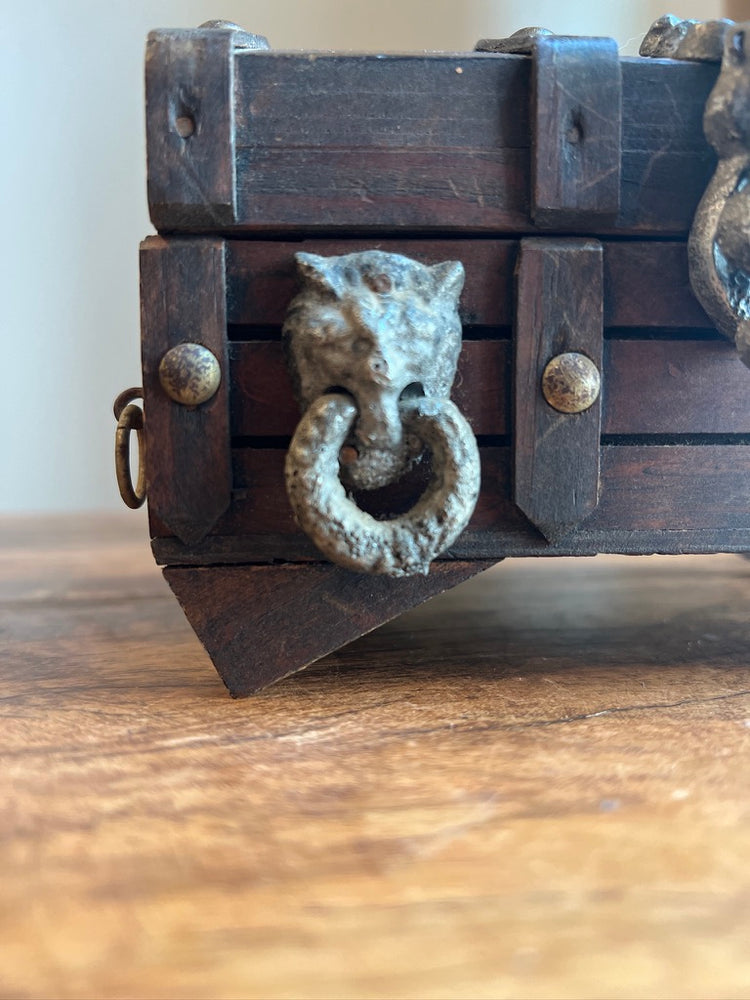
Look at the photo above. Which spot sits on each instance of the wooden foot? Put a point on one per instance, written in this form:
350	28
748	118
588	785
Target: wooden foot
261	623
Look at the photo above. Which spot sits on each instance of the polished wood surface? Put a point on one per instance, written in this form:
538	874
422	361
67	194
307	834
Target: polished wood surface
533	786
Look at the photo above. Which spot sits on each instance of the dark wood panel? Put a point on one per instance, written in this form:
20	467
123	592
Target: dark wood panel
260	503
480	191
334	101
650	387
645	284
675	387
187	449
190	129
514	543
262	623
262	277
653	499
263	404
365	142
673	488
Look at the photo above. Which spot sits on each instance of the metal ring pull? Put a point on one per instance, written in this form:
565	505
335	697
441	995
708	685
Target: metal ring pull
129	418
402	546
372	342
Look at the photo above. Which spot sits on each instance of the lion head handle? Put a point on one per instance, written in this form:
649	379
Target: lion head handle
381	328
373	340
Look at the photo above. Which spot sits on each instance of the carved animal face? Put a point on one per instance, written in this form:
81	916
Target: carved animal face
380	327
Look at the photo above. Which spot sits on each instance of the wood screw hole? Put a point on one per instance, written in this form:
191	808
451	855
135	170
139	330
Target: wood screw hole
574	132
185	126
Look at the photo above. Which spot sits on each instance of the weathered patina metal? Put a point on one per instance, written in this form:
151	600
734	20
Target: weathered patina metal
719	244
370	335
521	42
347	535
242	39
671	37
571	382
380	327
190	374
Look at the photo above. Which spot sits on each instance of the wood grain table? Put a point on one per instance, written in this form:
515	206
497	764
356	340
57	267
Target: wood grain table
533	786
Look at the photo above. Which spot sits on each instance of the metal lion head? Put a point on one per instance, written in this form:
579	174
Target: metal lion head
381	328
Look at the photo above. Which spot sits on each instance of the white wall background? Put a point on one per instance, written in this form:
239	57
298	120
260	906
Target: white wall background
72	177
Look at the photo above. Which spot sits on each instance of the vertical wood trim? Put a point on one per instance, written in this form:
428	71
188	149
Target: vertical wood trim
577	128
191	178
188	449
559	308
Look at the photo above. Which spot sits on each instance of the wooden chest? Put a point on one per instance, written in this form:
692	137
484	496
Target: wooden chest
565	181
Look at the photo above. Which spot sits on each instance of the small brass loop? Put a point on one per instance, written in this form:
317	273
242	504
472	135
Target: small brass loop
129	418
125	397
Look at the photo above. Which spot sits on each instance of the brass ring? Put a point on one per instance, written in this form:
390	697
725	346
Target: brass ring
129	418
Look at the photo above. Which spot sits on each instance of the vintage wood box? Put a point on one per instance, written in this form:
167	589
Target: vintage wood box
563	178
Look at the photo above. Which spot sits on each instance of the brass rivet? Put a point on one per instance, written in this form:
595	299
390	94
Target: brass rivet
571	383
189	374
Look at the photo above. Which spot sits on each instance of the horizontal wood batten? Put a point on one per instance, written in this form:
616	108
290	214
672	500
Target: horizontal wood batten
667	387
661	498
262	277
363	141
650	387
645	284
267	548
263	404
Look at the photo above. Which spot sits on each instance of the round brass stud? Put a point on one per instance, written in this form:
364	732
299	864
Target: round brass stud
189	374
571	383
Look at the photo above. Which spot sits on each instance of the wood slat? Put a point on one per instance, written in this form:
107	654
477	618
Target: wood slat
365	142
385	101
675	387
650	387
657	498
262	276
646	284
263	404
677	488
